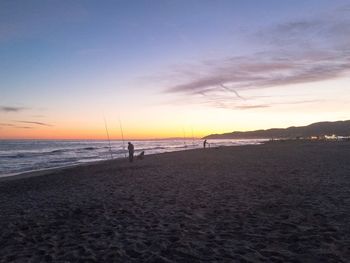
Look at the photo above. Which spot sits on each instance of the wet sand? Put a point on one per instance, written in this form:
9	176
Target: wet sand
277	202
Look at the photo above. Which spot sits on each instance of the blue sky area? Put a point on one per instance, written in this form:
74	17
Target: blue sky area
227	58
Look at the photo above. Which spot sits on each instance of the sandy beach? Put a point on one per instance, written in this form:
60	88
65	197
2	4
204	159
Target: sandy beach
277	202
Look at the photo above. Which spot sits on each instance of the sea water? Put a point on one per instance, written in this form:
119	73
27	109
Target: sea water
19	156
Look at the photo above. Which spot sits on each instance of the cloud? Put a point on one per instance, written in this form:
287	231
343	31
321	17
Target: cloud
231	101
7	125
36	123
14	126
257	71
249	107
11	109
300	51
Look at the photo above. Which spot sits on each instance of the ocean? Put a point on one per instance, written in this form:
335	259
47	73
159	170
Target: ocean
19	156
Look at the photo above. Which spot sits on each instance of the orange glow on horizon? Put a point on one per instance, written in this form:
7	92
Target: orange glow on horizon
94	134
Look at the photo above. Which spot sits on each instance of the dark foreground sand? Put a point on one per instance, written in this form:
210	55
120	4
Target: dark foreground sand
279	202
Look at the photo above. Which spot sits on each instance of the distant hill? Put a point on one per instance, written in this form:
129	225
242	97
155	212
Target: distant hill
340	128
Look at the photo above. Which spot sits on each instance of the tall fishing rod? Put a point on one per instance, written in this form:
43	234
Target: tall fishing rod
183	130
121	131
192	136
109	141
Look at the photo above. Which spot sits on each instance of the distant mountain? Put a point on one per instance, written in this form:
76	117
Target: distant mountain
340	128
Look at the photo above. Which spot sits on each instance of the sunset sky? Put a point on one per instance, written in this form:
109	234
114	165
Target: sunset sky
164	68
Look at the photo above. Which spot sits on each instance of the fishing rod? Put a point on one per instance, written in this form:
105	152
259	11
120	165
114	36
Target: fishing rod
192	136
121	131
183	130
109	141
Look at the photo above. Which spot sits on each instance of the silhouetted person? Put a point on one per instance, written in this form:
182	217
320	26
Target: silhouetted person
205	144
131	151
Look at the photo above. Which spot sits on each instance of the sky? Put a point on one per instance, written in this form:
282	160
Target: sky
162	69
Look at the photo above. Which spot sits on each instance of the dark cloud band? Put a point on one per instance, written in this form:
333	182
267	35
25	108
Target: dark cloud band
36	123
11	109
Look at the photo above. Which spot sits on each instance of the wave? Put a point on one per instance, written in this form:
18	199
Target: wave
65	160
21	155
151	148
33	154
75	149
118	151
58	151
89	148
63	151
51	152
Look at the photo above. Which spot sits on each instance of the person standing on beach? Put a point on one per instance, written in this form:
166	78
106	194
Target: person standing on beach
131	151
204	144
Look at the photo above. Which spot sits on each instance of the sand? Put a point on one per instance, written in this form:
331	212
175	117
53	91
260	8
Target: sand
278	202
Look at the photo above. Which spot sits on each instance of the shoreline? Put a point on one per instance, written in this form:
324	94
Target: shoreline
40	172
45	171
